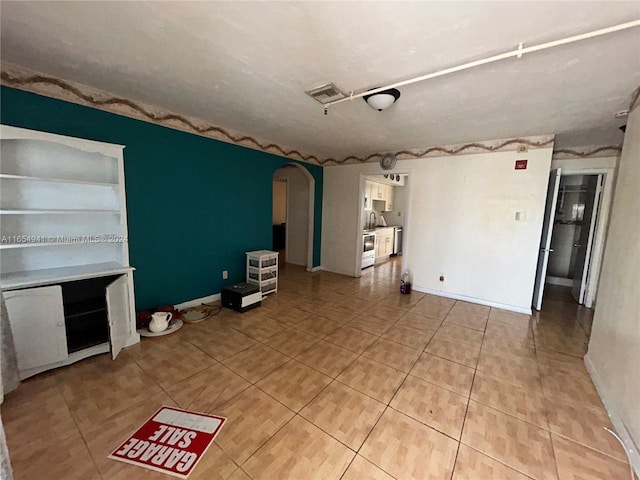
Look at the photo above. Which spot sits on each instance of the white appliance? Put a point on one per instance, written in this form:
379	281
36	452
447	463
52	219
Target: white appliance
368	249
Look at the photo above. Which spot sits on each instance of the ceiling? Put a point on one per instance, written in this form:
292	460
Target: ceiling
246	65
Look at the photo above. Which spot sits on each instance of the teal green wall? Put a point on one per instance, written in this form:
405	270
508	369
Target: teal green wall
194	204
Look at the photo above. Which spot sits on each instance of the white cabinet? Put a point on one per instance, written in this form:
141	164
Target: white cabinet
53	326
380	193
384	243
118	308
62	219
262	270
37	323
390	197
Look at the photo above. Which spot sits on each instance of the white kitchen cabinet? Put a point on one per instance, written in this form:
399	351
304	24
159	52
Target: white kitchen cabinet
390	197
63	219
378	192
384	243
381	191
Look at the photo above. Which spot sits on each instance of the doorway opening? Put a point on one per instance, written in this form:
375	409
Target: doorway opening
573	235
575	209
292	215
382	219
279	217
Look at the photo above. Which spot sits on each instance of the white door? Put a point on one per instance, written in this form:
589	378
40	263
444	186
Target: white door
545	240
118	311
37	321
585	243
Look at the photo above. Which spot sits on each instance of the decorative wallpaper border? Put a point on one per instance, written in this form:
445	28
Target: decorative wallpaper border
504	145
25	79
593	152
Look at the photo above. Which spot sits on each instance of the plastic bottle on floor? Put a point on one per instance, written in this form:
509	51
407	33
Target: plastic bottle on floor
405	283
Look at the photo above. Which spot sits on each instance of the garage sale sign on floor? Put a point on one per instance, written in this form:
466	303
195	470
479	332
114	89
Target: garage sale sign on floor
172	441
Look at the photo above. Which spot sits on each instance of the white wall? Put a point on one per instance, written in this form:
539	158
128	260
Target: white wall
460	223
614	349
297	214
279	202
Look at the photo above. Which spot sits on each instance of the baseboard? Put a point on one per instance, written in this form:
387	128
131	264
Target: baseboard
455	296
198	301
621	429
315	269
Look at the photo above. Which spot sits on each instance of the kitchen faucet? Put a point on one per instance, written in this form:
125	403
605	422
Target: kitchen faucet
372	224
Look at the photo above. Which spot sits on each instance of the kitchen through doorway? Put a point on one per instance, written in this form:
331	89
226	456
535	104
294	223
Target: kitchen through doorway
382	218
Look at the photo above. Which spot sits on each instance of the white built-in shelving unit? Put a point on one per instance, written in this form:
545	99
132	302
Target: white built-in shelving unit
63	219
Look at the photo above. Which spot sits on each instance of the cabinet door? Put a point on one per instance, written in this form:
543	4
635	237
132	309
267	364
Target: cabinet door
118	312
378	247
390	197
37	321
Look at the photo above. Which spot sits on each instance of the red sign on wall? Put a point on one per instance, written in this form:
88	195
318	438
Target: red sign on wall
172	441
521	164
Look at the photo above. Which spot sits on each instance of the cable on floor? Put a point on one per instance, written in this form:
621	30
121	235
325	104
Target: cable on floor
633	475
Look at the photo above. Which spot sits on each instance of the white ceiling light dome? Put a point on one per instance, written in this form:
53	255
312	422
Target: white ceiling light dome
382	100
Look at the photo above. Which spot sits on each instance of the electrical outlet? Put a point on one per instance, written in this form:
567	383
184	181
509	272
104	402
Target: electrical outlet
442	278
399	214
225	274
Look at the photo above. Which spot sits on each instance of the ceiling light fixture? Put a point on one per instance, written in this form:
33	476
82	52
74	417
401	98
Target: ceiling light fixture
382	100
518	53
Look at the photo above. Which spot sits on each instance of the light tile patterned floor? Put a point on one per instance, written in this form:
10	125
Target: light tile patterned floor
338	378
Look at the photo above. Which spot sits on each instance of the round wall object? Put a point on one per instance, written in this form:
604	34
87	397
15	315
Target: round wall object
388	161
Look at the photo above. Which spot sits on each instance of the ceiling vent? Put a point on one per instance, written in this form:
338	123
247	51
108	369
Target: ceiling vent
326	93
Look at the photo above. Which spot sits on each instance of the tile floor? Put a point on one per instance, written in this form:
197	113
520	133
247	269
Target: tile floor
335	377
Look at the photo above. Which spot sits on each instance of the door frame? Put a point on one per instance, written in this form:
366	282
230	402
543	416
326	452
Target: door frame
602	225
600	235
590	235
311	206
407	219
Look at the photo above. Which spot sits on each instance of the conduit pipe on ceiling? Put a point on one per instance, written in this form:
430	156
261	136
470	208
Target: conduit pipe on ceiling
521	50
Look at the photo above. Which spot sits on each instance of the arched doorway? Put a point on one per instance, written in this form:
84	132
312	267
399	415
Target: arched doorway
297	185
